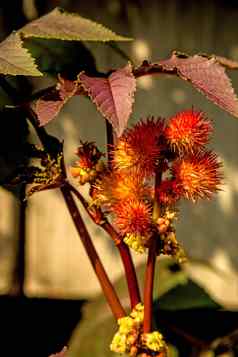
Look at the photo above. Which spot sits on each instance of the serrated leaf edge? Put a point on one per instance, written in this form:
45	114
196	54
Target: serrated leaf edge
36	71
94	99
66	38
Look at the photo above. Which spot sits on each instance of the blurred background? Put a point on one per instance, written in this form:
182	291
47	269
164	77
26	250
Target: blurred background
43	267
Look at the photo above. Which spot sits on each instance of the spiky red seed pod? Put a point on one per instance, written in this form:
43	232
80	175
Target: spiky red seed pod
140	147
116	186
188	131
133	216
198	175
168	192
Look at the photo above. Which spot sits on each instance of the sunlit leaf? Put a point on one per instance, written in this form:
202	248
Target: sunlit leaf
207	74
113	96
226	62
58	24
15	59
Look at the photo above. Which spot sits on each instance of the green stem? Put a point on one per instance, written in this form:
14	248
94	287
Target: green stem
104	281
124	251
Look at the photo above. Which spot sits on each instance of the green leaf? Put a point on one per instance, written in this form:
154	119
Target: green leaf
187	296
65	57
94	333
15	59
61	25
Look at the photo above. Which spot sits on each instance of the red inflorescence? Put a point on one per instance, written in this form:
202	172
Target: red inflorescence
168	192
133	216
116	186
188	131
198	175
88	154
140	147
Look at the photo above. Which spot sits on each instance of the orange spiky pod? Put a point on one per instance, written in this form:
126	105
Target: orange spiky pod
140	147
168	192
198	175
133	219
116	186
188	131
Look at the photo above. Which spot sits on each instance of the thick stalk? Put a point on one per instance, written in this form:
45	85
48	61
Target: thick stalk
148	287
46	141
150	267
110	142
104	281
124	251
128	264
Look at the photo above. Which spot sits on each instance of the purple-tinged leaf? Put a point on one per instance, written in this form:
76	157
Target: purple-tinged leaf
226	62
15	59
113	96
49	105
206	74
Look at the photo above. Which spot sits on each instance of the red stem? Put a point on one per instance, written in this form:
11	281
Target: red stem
150	267
110	142
128	264
124	251
105	283
148	287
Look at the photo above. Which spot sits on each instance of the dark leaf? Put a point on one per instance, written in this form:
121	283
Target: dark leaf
64	57
187	296
60	354
14	147
98	325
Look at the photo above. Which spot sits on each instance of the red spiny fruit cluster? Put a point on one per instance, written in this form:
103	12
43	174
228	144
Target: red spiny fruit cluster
155	164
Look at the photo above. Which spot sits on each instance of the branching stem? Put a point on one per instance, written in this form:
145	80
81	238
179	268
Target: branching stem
150	267
128	264
105	283
124	251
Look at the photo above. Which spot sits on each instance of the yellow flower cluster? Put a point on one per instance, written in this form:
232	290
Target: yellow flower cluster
126	338
130	339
